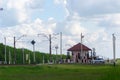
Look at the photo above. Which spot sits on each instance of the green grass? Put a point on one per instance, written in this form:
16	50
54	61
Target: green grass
60	72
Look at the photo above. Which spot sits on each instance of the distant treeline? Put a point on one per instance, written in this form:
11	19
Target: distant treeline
25	56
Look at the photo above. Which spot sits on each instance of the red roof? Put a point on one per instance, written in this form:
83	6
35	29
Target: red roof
77	47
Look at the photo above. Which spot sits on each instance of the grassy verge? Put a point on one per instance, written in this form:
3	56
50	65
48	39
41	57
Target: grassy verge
60	72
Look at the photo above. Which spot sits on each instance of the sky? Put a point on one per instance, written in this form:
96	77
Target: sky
97	20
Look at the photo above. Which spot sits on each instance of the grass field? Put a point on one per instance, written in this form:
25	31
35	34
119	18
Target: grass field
60	72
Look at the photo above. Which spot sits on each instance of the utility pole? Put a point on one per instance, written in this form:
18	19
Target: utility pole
14	51
50	51
15	40
61	44
114	62
5	51
81	43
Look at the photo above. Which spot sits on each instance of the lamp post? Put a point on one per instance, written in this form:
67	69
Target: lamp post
15	40
33	43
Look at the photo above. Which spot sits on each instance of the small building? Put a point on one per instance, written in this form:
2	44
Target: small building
80	53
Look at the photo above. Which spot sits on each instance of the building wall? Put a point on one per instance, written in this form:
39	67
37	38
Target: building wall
79	57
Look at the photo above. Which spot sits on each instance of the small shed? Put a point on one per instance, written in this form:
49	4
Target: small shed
80	53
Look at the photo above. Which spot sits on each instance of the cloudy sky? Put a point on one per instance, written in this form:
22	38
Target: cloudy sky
97	20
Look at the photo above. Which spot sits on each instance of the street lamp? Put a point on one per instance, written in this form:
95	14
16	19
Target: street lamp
15	40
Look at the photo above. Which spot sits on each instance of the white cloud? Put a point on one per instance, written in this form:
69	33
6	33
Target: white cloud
20	9
75	28
110	20
73	24
98	13
97	36
63	3
57	1
29	29
35	4
93	7
0	2
60	2
18	12
71	42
